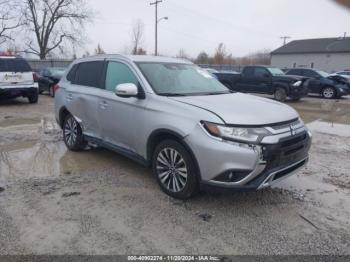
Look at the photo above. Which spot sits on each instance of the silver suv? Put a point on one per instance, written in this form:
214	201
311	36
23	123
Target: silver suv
177	118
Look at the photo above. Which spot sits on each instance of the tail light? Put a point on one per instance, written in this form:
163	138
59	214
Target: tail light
35	78
56	88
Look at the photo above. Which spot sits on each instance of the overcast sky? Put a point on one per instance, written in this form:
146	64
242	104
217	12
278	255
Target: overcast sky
244	26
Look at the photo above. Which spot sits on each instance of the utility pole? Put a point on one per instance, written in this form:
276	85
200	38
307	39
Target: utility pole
285	39
156	24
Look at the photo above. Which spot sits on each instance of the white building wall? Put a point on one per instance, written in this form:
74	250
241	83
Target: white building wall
327	62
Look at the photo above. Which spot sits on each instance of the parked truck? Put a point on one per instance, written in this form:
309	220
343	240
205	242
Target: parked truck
266	80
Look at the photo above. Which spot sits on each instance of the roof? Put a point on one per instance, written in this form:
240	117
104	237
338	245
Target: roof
138	58
320	45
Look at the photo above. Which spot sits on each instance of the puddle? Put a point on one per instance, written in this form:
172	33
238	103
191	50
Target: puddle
9	122
326	110
41	160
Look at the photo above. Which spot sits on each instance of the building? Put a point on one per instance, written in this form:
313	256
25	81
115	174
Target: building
327	54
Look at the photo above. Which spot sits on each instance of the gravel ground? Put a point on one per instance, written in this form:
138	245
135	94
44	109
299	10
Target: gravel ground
97	202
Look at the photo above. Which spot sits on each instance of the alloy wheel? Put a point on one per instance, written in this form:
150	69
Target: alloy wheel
71	131
328	92
171	169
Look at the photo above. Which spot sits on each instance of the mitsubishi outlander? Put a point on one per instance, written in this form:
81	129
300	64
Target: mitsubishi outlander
178	119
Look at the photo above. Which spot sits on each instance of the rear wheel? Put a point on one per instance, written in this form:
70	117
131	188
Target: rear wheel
73	134
33	98
280	94
175	170
329	92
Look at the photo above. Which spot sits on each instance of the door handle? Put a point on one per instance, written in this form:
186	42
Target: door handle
69	97
103	104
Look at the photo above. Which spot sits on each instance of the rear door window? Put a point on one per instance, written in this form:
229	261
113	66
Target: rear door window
260	72
118	73
248	72
296	72
14	65
89	74
310	73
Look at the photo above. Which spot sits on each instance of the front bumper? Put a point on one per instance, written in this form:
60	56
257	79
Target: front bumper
249	168
343	90
8	93
298	92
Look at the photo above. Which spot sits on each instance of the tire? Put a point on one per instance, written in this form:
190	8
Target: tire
295	99
51	91
329	92
33	98
72	134
175	170
280	94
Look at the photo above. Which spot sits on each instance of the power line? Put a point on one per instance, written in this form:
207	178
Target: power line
284	38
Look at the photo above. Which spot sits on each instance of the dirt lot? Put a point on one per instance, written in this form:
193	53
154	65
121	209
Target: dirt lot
96	202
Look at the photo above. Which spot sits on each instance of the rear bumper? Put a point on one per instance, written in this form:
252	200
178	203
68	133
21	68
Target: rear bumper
7	93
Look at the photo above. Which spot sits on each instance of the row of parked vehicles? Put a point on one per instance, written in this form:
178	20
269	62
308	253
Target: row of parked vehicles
293	83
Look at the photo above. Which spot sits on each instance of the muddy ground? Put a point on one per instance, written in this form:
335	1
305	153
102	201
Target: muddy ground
97	202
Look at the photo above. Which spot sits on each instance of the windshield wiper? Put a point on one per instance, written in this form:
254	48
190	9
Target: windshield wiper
171	94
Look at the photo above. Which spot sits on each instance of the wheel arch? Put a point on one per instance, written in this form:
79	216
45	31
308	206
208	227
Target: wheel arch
62	115
283	85
160	135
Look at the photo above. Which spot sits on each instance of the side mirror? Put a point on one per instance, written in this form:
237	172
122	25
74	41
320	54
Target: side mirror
267	75
126	90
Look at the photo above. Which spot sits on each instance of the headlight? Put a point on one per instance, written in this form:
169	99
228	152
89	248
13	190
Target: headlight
298	83
240	134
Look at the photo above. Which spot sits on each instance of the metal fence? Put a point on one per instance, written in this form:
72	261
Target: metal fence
40	64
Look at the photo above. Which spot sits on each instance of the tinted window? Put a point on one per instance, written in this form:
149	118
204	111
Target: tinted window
248	71
71	74
14	65
296	72
310	73
89	74
118	73
260	72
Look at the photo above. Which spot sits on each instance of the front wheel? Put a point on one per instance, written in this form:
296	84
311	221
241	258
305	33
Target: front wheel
329	92
73	134
175	170
280	94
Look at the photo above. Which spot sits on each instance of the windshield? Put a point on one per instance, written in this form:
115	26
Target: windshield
322	73
276	71
181	79
57	71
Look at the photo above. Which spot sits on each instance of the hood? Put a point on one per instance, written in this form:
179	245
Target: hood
241	109
289	78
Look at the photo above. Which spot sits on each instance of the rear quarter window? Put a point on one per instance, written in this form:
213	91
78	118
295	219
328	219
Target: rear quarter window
89	74
14	65
71	74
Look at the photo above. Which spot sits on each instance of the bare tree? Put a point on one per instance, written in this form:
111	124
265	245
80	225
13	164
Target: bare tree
8	20
54	24
99	50
220	54
137	36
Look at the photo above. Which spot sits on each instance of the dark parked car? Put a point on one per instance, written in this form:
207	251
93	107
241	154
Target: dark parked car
265	80
322	83
48	78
